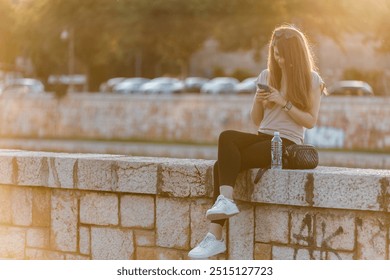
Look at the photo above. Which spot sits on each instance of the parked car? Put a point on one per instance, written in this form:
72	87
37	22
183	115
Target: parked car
194	84
24	84
129	85
247	86
351	88
163	85
220	85
108	85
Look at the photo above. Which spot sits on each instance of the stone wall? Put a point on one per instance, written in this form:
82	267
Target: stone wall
344	122
86	206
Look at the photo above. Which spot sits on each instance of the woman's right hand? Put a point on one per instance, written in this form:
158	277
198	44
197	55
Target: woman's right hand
261	97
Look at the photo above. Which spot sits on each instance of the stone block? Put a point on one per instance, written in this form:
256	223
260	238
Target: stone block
245	187
75	257
38	238
137	176
263	251
171	254
146	253
335	230
85	240
5	205
288	253
64	219
21	203
185	178
137	211
173	223
41	206
350	189
308	254
96	174
13	241
7	166
282	253
241	234
149	253
145	238
33	170
339	256
199	222
371	238
282	187
62	172
41	254
99	209
111	244
271	224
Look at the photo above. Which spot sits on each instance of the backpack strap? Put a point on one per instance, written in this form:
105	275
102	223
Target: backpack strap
260	174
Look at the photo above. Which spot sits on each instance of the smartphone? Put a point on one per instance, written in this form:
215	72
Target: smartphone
264	87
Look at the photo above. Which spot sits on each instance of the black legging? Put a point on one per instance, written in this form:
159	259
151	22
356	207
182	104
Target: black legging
238	151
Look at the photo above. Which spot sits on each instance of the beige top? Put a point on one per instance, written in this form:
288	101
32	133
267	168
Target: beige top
275	119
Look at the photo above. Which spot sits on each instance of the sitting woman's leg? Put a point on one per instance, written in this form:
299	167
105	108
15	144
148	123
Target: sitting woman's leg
231	160
235	144
216	226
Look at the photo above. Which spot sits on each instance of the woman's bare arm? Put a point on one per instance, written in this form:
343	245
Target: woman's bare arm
306	119
257	111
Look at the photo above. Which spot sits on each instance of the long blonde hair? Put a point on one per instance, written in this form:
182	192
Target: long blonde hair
298	61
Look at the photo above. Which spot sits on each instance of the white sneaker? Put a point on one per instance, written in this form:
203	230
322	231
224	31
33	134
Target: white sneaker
223	208
208	247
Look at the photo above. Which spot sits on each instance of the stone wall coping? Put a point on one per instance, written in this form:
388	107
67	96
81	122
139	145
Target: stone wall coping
323	187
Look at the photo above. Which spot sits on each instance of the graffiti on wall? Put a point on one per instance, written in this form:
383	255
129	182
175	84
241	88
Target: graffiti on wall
325	137
306	235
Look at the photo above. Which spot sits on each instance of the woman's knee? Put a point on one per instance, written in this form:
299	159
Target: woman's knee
226	135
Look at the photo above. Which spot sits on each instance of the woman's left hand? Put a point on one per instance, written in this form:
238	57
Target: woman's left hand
276	97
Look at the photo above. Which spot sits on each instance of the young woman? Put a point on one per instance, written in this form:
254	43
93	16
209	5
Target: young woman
291	106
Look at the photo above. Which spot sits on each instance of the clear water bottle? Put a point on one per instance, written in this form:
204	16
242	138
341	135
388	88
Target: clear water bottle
276	151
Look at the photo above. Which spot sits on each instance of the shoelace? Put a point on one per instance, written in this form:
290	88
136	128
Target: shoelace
205	242
219	200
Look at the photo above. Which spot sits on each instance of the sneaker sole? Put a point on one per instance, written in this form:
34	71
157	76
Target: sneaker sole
220	216
198	257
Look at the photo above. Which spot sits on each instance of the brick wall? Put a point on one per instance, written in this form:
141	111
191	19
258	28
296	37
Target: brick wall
86	206
351	123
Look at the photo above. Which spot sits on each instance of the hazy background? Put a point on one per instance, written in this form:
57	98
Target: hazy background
108	38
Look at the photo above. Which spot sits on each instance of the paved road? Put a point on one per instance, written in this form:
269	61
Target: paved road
327	158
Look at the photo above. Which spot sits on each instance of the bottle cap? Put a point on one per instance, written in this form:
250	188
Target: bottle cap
276	133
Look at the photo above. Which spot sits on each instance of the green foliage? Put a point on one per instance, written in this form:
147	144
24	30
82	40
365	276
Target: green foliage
7	29
383	26
111	36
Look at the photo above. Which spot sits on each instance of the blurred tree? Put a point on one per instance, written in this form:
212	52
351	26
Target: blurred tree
382	27
111	33
148	38
90	22
8	49
170	31
247	24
